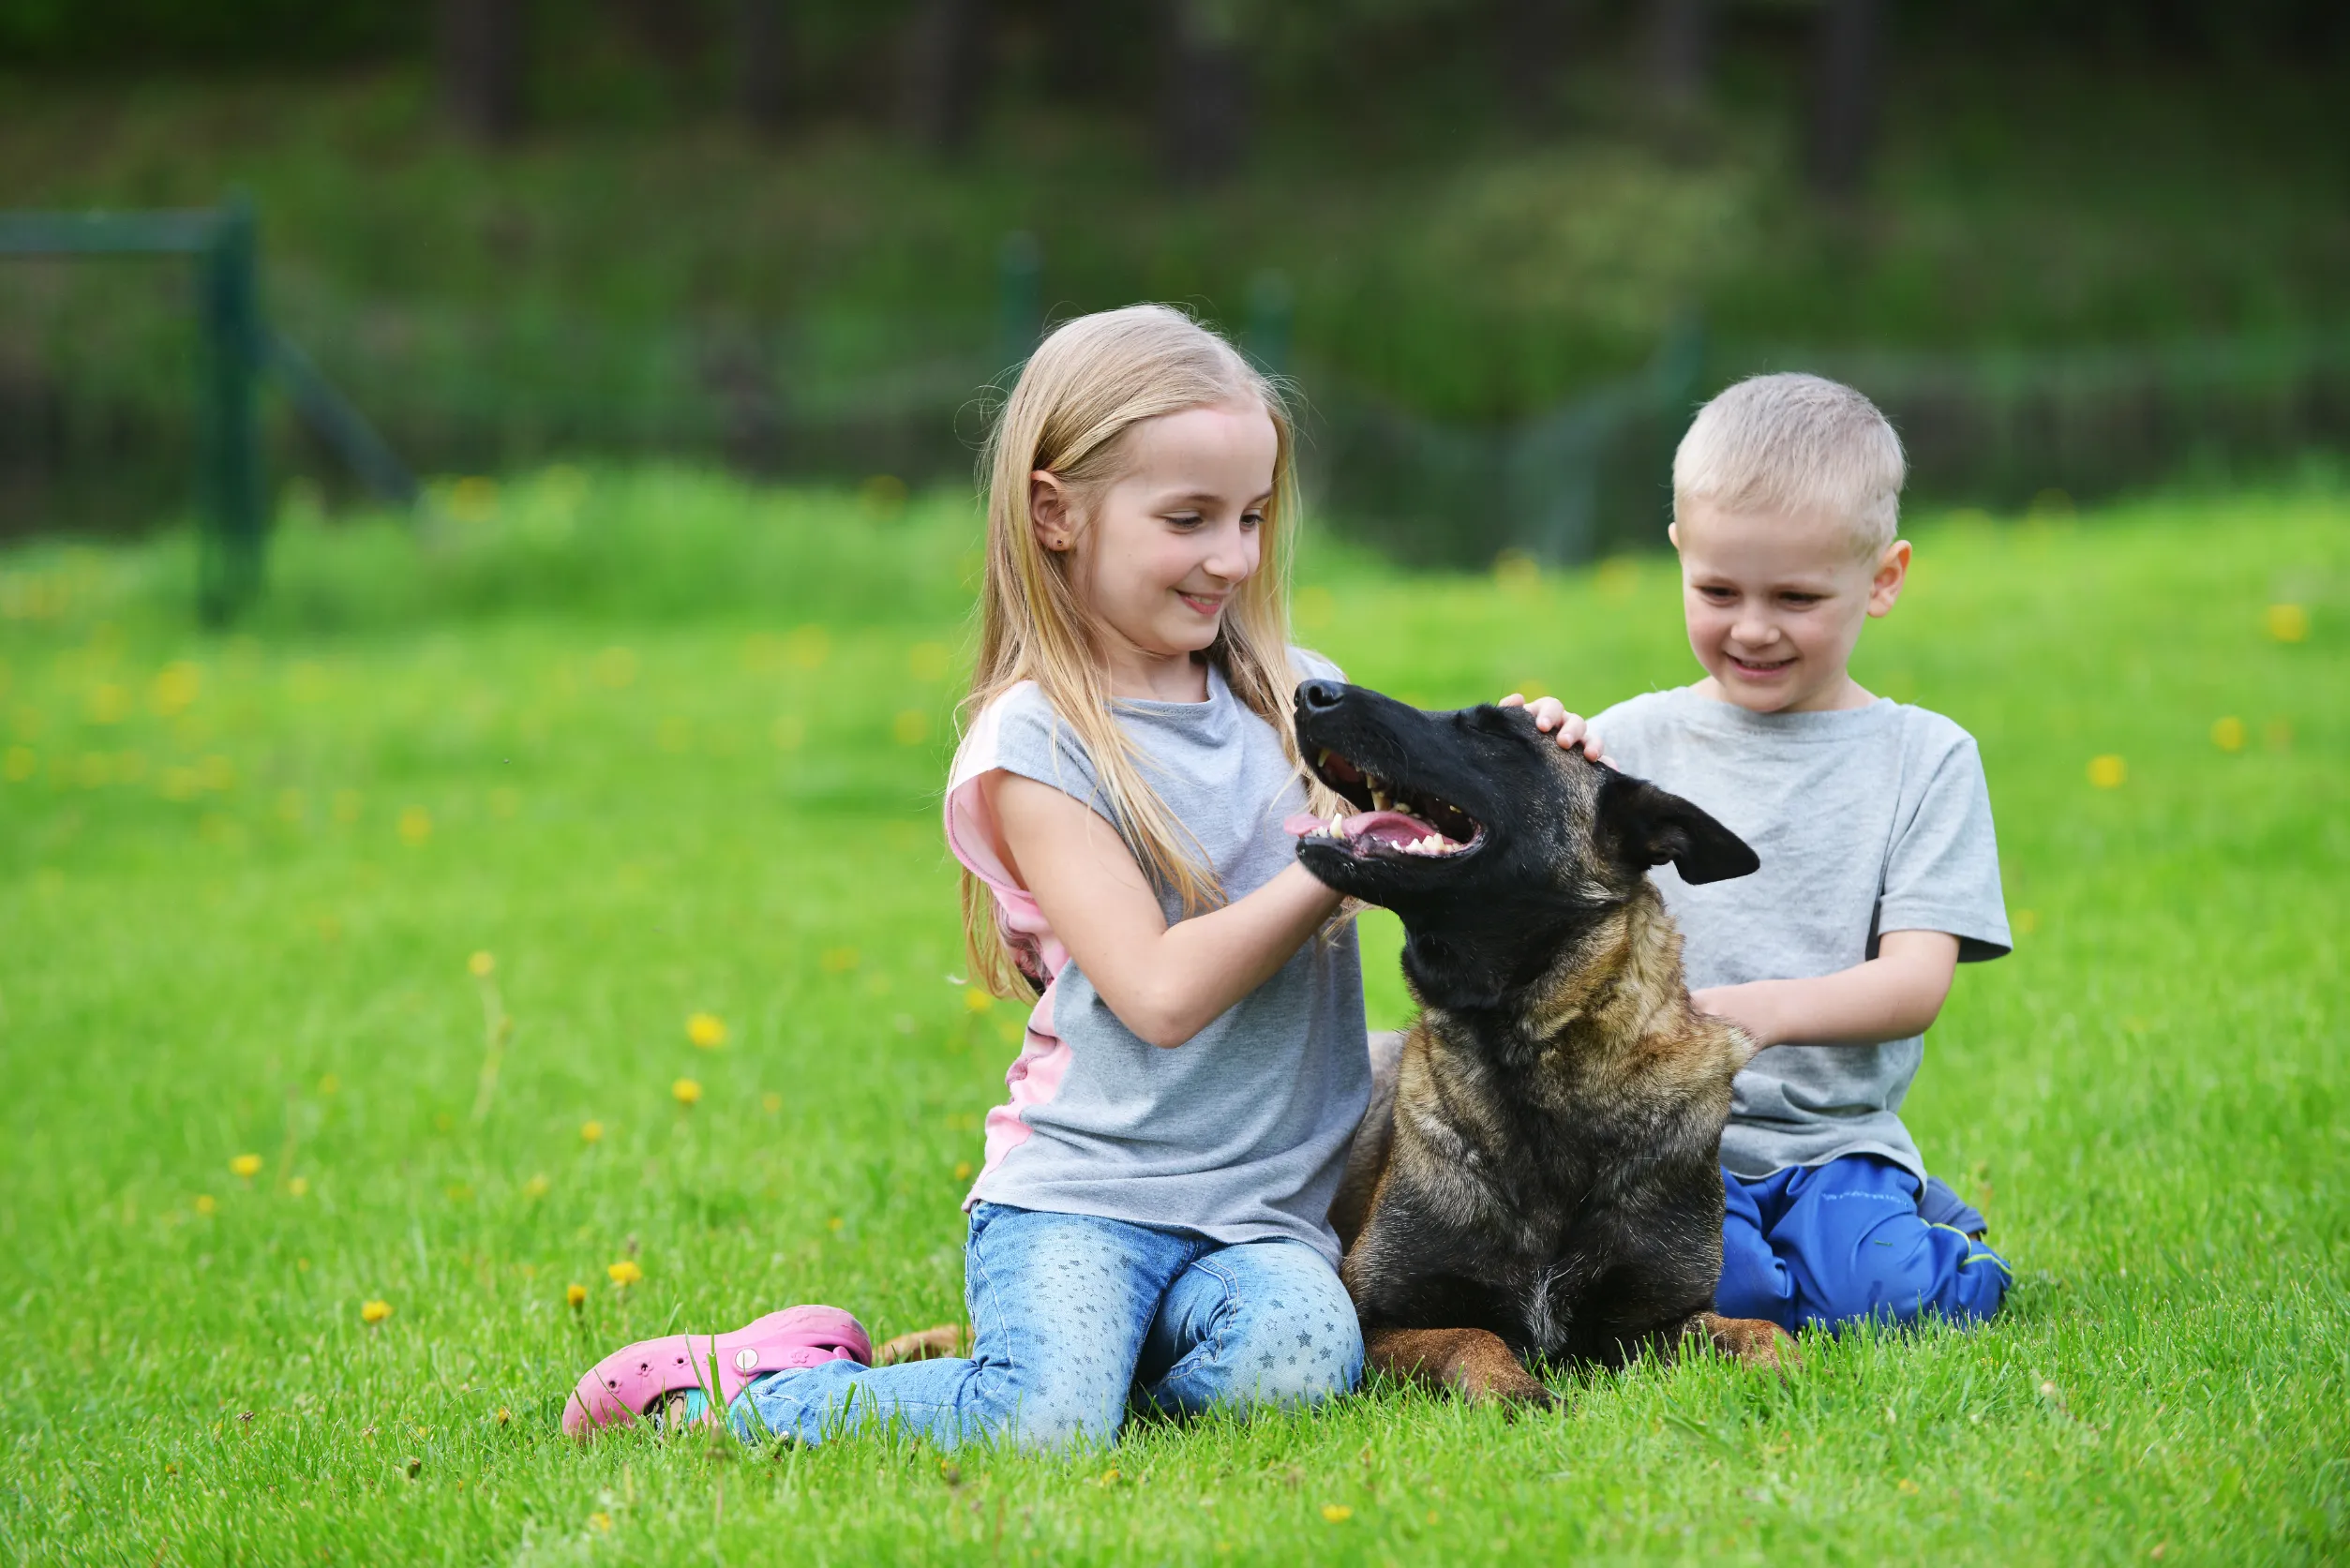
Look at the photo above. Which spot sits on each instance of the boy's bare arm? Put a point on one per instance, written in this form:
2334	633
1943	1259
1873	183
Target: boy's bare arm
1891	998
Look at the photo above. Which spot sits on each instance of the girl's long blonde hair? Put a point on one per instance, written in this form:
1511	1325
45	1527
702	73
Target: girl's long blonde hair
1086	385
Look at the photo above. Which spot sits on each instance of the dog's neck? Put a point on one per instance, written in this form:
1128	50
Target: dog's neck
1612	980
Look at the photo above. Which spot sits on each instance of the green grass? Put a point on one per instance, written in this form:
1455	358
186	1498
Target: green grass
651	790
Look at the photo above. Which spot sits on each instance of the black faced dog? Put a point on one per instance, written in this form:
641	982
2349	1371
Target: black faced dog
1546	1182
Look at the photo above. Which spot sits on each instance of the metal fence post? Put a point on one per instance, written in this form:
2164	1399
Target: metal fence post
1271	310
232	489
1679	374
1019	298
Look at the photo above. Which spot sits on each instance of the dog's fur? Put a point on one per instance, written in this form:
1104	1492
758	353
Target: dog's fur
1542	1179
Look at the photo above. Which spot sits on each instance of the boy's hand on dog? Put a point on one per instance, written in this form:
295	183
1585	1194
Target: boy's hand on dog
1552	714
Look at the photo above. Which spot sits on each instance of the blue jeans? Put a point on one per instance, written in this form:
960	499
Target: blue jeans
1822	1245
1075	1317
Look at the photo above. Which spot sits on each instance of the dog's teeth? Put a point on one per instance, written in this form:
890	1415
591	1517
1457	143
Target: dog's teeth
1321	757
1337	825
1378	799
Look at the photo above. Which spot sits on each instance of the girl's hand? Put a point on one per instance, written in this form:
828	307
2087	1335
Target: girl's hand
1549	714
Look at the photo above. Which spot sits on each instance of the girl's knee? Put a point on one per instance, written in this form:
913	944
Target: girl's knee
1292	1364
1281	1332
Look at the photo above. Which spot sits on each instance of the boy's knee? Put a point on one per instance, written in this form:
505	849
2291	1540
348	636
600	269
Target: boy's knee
1925	1272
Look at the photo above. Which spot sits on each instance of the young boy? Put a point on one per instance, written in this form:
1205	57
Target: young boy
1879	872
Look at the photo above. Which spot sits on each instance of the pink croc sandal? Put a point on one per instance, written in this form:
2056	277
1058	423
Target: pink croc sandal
629	1382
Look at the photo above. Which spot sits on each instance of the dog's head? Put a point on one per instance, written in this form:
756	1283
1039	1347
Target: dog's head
1493	843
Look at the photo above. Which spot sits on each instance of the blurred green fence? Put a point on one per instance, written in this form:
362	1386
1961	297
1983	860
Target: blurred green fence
842	398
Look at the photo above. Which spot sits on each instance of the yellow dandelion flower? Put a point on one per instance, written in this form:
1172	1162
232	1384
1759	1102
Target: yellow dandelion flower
963	1169
706	1030
299	1186
415	824
483	964
686	1092
770	1102
176	685
614	667
247	1165
975	1000
537	1186
911	727
2288	622
838	961
504	1415
373	1312
2228	733
2108	771
1337	1512
808	647
625	1273
590	1132
329	1084
834	1224
576	1296
205	1204
600	1519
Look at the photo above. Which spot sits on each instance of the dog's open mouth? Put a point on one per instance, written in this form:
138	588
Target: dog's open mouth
1392	821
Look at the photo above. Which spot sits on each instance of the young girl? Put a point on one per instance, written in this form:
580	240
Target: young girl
1149	1224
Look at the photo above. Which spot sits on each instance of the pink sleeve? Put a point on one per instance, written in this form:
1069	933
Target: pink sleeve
975	839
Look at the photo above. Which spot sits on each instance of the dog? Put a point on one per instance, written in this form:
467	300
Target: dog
1540	1177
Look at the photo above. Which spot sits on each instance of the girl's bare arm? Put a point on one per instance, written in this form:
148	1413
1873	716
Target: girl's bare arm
1164	983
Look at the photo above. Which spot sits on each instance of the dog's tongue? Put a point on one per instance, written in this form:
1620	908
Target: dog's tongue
1392	829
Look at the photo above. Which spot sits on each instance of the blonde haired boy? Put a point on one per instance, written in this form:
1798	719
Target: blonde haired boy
1879	870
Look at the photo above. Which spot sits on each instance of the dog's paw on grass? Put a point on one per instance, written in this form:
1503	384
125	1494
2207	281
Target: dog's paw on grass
924	1344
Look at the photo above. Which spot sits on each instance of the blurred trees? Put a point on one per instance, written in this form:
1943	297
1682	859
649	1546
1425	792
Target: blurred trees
763	63
481	66
1203	77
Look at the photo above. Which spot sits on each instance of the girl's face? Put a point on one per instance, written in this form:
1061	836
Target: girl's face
1164	548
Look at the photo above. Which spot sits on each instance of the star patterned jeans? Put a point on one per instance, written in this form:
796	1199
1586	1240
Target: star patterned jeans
1076	1320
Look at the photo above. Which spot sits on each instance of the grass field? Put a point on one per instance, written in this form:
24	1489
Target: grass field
665	747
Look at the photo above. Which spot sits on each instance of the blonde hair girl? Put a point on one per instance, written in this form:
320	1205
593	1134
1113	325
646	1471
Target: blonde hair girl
1151	1218
1089	384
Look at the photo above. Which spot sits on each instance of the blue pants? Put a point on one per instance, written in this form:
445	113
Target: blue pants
1822	1245
1073	1317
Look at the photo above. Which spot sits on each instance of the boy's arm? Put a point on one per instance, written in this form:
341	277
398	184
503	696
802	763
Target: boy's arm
1889	997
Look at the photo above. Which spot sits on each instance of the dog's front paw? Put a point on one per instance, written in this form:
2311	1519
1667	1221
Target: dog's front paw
927	1344
1531	1398
1754	1342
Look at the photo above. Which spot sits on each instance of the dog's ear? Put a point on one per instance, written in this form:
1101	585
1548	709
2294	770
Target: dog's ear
1649	826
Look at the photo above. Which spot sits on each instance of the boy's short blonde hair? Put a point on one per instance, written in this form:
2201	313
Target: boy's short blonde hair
1795	443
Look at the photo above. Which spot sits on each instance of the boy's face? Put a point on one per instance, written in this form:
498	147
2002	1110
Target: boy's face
1775	604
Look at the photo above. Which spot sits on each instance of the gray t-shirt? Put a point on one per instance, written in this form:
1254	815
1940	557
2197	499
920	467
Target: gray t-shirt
1240	1133
1867	820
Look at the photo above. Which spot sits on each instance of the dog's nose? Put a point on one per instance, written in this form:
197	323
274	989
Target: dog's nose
1319	697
